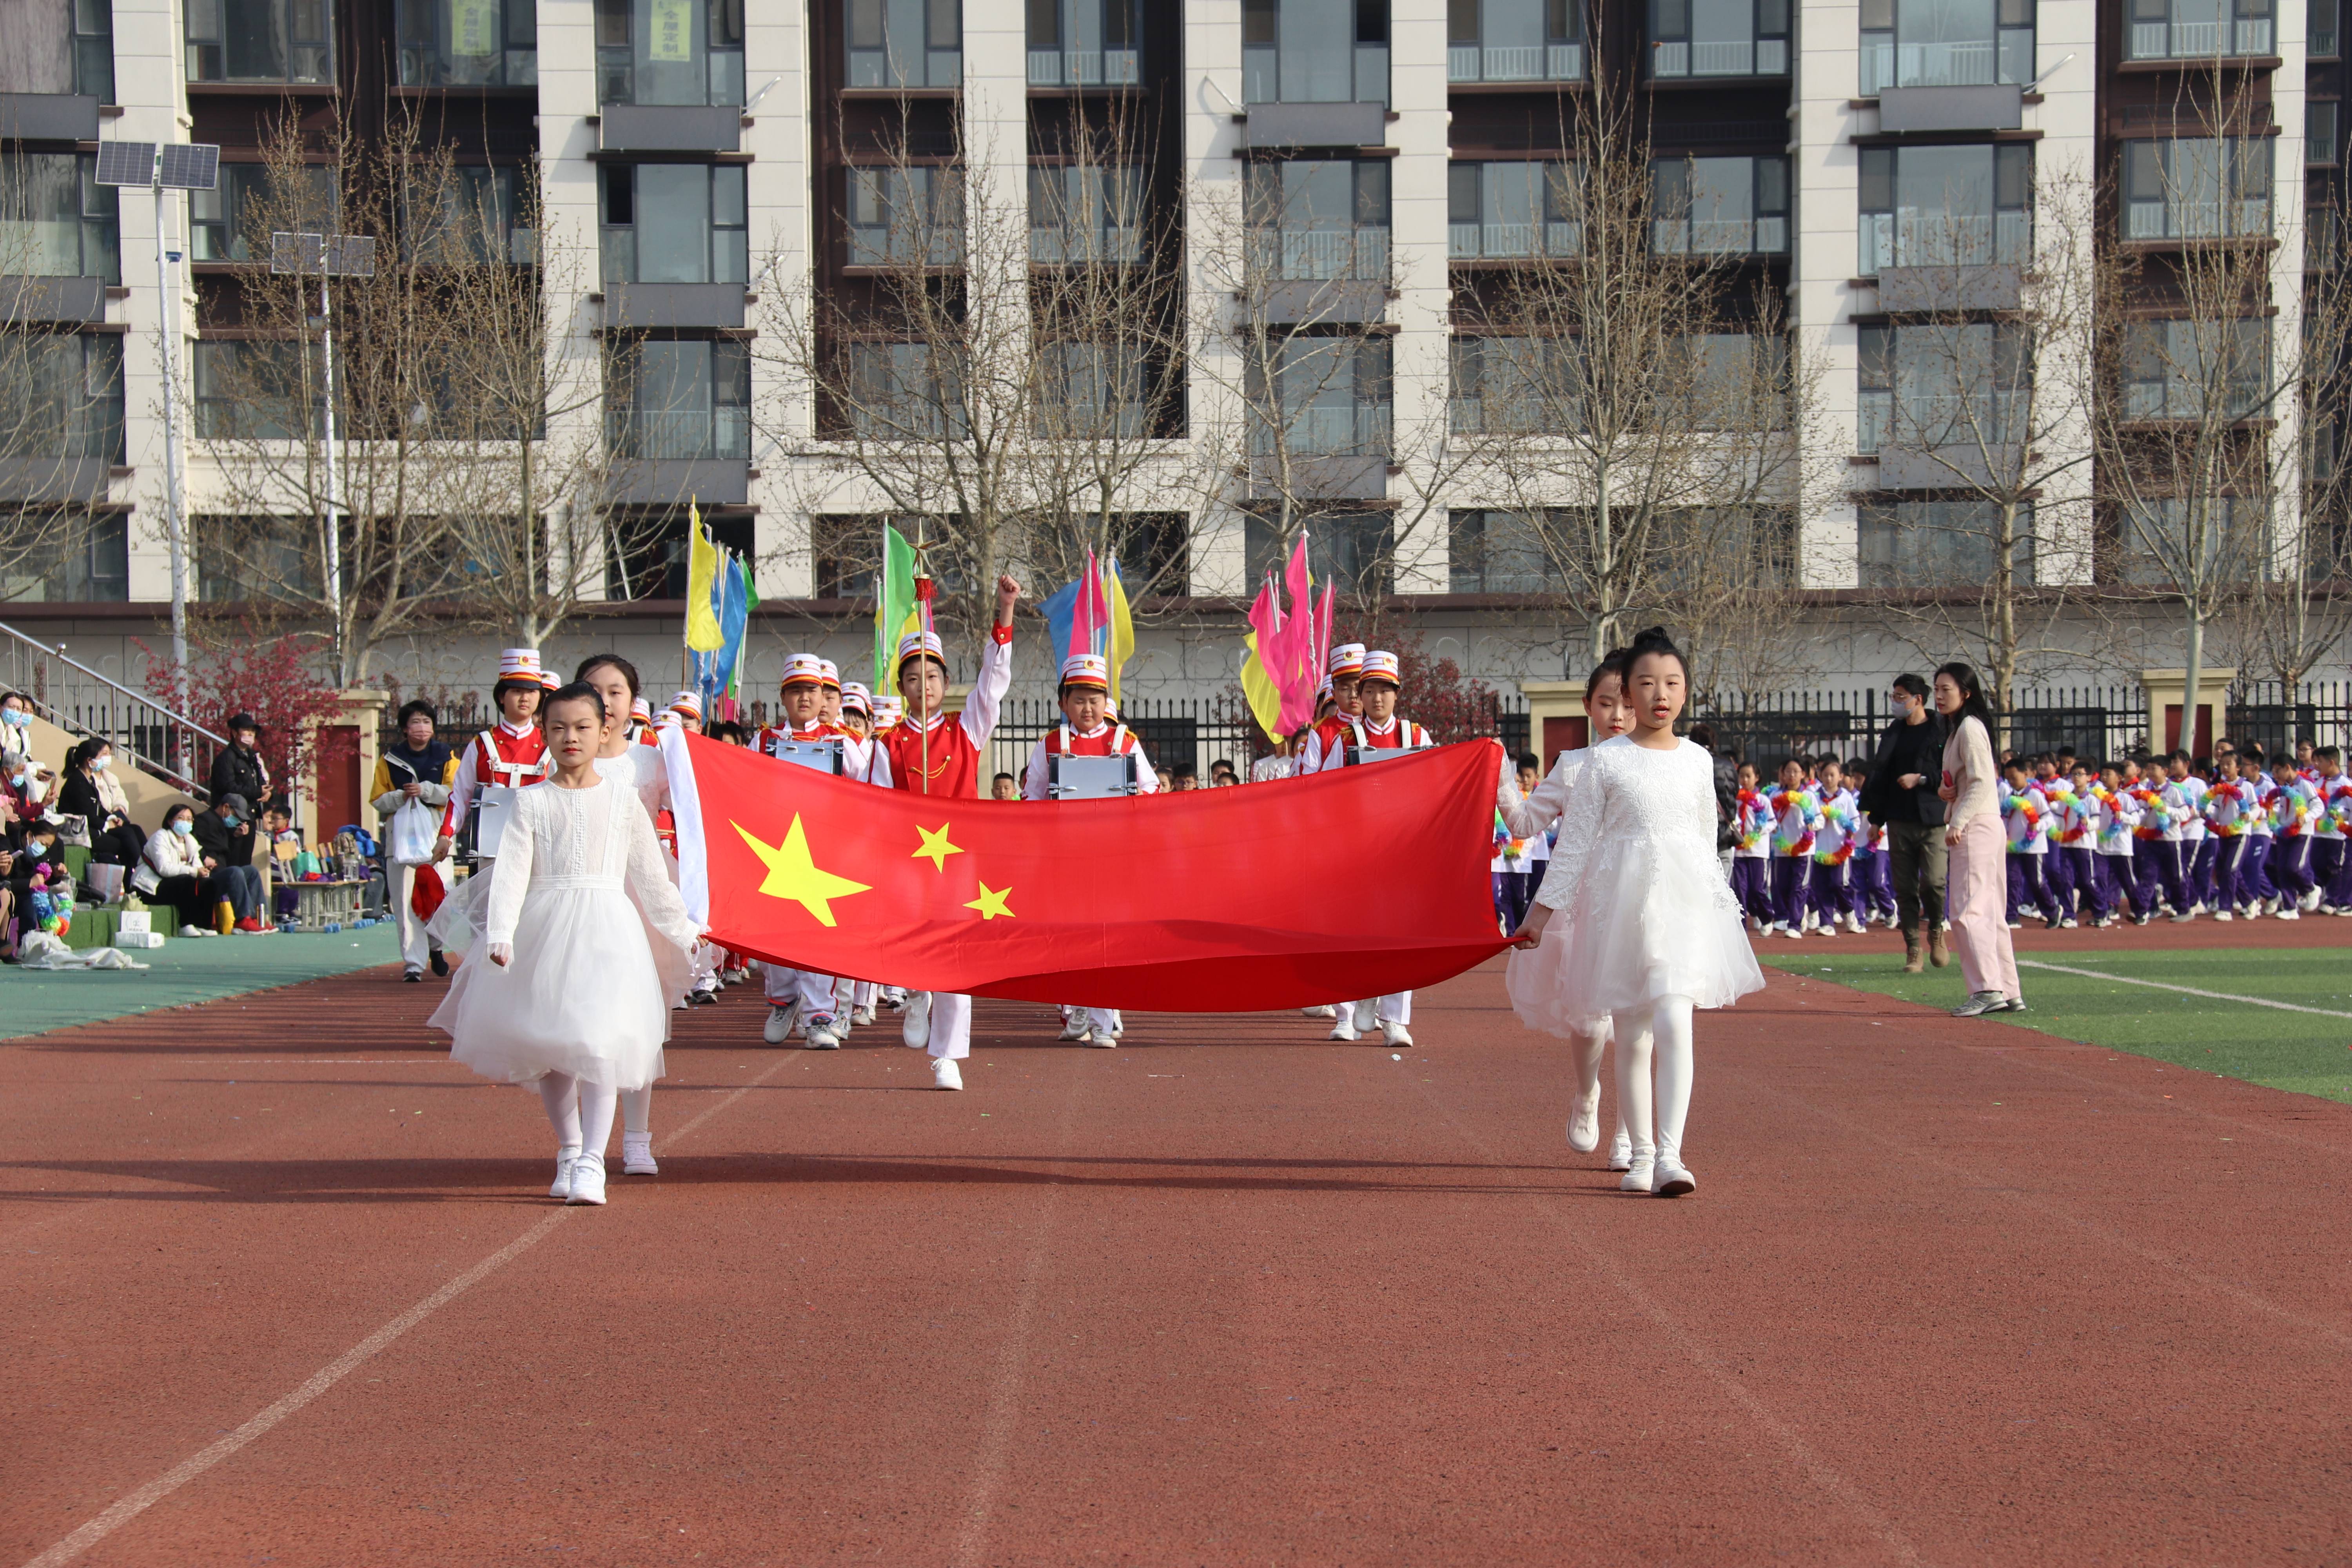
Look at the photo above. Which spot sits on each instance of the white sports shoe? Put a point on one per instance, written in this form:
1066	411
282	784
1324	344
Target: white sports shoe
564	1157
1670	1178
945	1074
1345	1029
1396	1034
2309	901
1326	1011
1584	1125
821	1035
1620	1152
1368	1014
2287	915
1854	924
915	1023
1638	1175
637	1154
2224	915
780	1022
862	1016
1078	1029
587	1179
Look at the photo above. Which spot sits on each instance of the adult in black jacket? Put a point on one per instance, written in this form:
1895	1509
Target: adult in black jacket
225	835
91	794
1900	794
240	770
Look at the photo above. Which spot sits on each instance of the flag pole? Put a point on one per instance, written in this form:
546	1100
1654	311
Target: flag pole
922	625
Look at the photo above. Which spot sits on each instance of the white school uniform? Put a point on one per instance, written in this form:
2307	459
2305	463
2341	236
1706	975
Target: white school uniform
1114	739
1396	1007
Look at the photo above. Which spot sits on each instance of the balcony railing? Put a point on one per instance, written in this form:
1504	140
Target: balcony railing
684	434
1940	419
1313	255
1523	62
2247	217
1964	62
1356	430
1115	246
1720	236
1499	241
1763	57
1943	239
1084	67
2201	40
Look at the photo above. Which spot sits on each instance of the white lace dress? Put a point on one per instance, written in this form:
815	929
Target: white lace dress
1643	910
589	989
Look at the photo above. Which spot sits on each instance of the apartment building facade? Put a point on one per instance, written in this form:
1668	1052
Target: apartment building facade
725	167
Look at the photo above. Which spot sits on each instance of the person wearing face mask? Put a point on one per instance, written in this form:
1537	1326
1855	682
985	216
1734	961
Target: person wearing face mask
23	777
224	834
1900	793
170	872
93	793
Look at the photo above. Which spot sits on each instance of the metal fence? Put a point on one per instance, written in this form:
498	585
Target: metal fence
2095	721
82	702
2320	712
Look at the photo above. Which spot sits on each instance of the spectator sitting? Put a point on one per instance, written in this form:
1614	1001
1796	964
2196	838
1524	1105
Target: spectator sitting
225	836
170	871
93	793
40	849
285	843
240	770
12	844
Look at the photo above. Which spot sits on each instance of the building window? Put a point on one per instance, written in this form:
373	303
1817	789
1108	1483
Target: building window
1514	385
252	391
233	220
260	560
2173	370
650	553
1085	43
2158	542
1089	212
2319	41
2202	187
468	215
1092	391
666	51
1498	552
1946	43
1719	207
1355	550
1321	398
2199	29
469	42
1942	386
2319	133
906	43
1314	219
57	555
260	40
1315	51
55	219
1946	206
1518	208
893	391
62	398
1719	38
1515	40
898	216
1940	545
675	223
679	402
1734	381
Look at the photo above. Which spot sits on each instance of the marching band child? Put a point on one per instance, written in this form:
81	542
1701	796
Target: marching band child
508	756
1329	733
1086	731
803	994
1652	932
1751	854
573	999
2025	812
1796	815
1377	727
2293	804
2113	820
930	754
2226	808
1830	886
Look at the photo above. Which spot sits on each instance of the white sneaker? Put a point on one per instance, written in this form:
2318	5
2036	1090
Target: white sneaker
1638	1175
1670	1178
1854	924
862	1016
2288	915
1078	1029
820	1035
1791	932
1100	1040
564	1157
1118	1026
915	1023
1584	1124
1326	1011
1620	1152
2309	901
1345	1029
1368	1014
945	1074
2066	924
194	931
780	1022
587	1179
637	1154
1395	1033
2224	915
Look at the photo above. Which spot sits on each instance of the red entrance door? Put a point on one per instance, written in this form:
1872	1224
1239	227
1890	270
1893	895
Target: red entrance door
1567	734
338	780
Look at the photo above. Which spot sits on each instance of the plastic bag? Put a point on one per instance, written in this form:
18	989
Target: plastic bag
409	836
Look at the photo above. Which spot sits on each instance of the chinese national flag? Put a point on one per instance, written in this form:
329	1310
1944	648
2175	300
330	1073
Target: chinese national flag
1350	884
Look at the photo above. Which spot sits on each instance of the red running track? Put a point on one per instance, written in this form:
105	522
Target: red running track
1228	1294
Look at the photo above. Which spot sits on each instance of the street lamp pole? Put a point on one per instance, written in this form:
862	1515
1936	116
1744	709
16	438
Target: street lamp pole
329	256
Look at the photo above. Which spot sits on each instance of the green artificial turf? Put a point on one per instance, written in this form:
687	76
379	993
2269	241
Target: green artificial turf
2303	1052
184	970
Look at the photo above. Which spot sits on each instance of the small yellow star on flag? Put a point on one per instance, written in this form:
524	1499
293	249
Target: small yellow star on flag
794	875
990	902
936	848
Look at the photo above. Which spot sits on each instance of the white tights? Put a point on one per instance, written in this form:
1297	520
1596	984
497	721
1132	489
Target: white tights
1588	1049
1661	1029
582	1113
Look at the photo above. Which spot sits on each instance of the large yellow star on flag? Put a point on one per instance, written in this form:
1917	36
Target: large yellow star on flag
792	874
990	902
936	848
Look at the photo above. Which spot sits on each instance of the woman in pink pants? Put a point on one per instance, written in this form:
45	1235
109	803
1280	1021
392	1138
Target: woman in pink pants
1977	884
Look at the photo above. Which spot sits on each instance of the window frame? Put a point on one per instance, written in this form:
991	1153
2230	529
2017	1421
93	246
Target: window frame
1761	208
1284	250
97	221
727	242
425	33
2150	31
1875	523
1880	229
1266	42
868	64
1674	51
1562	54
2233	158
1063	61
2010	49
725	410
310	58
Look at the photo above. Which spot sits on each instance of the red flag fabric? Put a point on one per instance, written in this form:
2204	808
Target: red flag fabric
1349	884
426	892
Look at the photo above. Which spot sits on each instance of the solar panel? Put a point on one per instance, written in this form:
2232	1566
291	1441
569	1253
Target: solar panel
303	253
126	162
191	165
350	255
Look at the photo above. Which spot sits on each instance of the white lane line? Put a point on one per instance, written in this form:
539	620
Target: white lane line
2184	990
129	1507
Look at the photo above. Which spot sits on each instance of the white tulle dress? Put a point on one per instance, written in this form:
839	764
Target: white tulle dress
600	940
1641	906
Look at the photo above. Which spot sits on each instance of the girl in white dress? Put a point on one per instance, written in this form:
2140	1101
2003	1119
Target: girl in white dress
1652	931
572	998
1606	715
